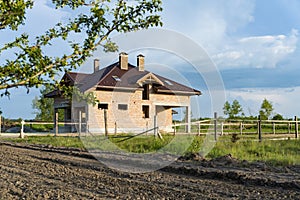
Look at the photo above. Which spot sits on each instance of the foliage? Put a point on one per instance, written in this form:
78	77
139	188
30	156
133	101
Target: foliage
43	107
12	13
234	138
96	21
266	109
232	110
227	108
278	117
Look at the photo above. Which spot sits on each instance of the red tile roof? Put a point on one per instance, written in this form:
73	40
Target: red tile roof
112	77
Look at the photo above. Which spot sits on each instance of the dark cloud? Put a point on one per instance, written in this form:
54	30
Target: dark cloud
260	78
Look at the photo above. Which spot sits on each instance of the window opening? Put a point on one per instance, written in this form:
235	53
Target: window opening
146	92
102	106
116	78
122	106
168	82
146	111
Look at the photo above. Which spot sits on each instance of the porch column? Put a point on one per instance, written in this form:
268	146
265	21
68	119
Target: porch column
188	119
55	121
86	118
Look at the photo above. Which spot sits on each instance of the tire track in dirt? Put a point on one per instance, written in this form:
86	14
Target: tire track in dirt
41	172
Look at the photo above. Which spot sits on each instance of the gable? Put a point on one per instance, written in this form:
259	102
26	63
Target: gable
149	79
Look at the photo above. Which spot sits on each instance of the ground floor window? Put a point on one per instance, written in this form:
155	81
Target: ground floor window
122	106
103	106
146	111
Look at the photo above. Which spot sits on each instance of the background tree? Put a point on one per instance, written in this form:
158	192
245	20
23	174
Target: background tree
266	109
277	117
236	108
232	110
227	109
94	23
43	107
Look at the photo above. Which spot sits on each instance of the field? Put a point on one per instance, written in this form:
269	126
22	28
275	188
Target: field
245	147
236	167
46	172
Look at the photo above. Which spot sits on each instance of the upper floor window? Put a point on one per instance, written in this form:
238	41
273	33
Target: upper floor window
146	92
116	78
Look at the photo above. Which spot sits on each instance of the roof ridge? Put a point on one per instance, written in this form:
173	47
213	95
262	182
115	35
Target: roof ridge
77	73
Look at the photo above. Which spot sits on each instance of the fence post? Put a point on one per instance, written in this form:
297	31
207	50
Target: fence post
116	128
274	128
79	123
22	129
241	128
289	128
174	128
259	128
147	127
155	125
222	128
296	127
215	125
56	122
105	121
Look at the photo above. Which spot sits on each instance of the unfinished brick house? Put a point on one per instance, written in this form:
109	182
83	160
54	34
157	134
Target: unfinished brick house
131	98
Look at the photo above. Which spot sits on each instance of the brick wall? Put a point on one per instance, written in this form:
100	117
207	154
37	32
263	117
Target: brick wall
133	119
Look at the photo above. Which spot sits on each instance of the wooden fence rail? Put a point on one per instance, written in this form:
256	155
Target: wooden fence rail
242	127
214	126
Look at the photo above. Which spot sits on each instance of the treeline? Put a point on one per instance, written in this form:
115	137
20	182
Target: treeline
234	110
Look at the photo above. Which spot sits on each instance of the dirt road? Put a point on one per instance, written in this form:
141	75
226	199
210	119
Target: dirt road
30	172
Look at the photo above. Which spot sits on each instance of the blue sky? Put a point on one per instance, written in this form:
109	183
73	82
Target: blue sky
253	44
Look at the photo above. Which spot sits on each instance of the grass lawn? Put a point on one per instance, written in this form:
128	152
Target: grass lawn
54	141
285	152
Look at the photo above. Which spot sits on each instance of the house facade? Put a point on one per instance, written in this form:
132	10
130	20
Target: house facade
130	98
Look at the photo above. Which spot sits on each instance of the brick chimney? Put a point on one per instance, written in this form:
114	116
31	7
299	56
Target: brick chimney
141	62
96	65
123	60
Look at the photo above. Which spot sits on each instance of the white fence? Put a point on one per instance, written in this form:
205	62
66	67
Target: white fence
215	126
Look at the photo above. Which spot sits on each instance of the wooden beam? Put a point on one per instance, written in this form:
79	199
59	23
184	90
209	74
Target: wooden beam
105	122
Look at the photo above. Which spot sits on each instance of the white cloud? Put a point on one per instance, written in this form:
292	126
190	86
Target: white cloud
283	99
216	25
43	17
209	22
258	51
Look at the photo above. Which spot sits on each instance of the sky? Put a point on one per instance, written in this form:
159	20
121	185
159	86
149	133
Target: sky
252	45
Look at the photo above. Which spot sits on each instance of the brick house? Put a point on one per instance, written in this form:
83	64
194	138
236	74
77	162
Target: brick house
133	99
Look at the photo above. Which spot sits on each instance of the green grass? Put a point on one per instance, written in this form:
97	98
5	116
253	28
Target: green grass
54	141
140	144
42	127
286	152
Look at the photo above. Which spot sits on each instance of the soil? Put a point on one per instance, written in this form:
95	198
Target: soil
45	172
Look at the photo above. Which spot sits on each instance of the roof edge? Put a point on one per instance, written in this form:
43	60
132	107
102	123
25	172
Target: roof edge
179	92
